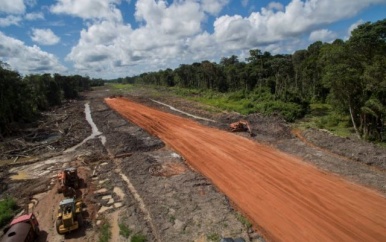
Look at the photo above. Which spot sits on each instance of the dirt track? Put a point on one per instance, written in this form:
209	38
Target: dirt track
287	198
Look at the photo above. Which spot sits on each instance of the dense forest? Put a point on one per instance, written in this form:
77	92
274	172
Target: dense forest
23	98
350	75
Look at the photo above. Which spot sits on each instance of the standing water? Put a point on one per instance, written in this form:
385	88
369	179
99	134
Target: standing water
94	130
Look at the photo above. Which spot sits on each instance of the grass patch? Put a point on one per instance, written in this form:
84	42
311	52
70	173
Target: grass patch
322	116
243	220
172	219
124	230
246	103
7	208
213	237
381	144
123	87
138	238
105	232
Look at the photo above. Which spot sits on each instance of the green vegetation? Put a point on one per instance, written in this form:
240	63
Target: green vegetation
172	218
243	220
322	116
213	237
124	230
138	238
349	76
105	233
124	87
23	98
7	208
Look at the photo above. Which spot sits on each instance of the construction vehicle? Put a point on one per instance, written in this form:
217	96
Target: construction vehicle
68	178
69	215
24	228
241	126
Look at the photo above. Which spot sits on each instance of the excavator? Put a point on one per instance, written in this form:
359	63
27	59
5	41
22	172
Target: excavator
241	126
68	180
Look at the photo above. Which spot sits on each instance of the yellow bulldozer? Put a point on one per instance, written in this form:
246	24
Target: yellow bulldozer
69	215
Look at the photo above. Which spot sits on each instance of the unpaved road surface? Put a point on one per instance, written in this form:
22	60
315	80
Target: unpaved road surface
288	199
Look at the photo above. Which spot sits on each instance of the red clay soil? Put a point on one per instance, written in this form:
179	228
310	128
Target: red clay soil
286	197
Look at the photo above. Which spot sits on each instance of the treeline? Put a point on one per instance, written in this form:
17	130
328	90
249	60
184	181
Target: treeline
350	75
23	98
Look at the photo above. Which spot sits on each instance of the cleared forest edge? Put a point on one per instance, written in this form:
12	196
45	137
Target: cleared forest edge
289	199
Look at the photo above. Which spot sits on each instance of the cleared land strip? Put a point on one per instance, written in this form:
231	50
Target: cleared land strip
288	198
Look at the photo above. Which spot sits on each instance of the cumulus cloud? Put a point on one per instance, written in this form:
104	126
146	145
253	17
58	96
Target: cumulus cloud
179	19
100	46
354	26
44	37
34	16
213	6
89	9
30	3
12	6
275	6
298	17
171	33
10	20
161	39
324	35
27	59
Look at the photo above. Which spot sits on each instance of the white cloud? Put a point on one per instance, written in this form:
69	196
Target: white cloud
214	6
171	33
89	9
244	3
30	3
298	17
179	19
101	46
44	37
34	16
324	35
162	39
275	6
27	59
354	26
10	20
12	6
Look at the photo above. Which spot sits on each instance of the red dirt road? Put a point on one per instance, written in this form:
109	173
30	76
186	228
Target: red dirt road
289	199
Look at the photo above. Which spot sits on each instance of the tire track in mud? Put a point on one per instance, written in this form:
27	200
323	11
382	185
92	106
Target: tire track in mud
291	200
142	205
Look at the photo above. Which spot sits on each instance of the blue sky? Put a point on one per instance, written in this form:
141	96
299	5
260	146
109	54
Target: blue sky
118	38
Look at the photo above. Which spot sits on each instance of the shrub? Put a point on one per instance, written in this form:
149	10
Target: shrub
124	231
7	208
138	238
105	234
289	111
